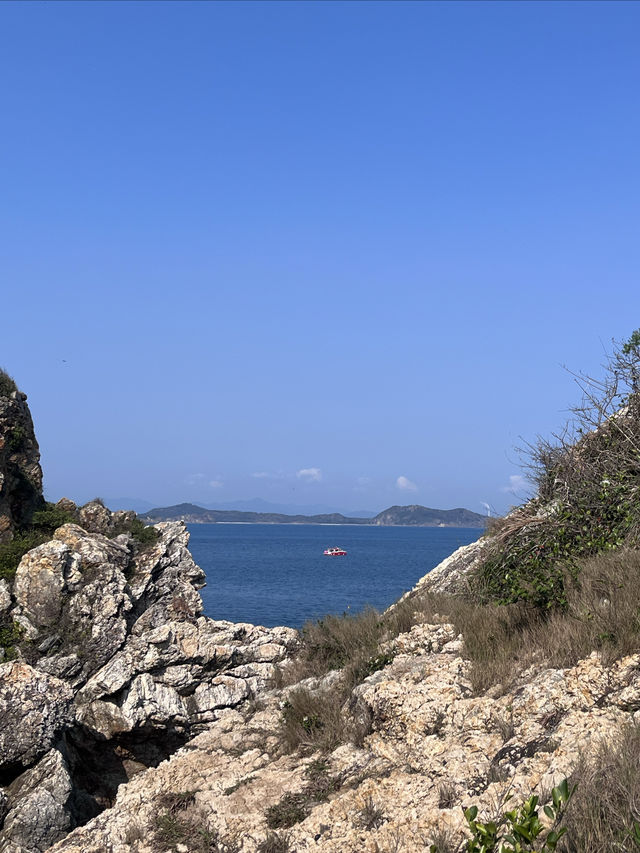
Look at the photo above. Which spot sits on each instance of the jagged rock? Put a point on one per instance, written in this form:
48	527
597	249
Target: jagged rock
181	674
5	596
67	505
433	747
450	576
165	580
20	472
40	581
42	813
72	599
34	708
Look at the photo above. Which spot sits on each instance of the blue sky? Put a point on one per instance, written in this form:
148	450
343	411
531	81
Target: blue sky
316	253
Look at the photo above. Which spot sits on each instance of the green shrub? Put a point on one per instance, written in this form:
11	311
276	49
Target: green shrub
143	534
16	438
10	634
51	517
12	552
588	481
520	829
7	384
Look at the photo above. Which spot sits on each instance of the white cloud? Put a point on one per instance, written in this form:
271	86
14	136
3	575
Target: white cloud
405	484
517	484
310	475
216	484
194	479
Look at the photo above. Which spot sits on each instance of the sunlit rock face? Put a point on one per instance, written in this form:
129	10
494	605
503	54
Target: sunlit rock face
433	747
115	669
20	471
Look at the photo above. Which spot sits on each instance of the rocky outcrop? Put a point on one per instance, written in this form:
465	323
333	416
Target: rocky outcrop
20	472
451	575
116	668
433	747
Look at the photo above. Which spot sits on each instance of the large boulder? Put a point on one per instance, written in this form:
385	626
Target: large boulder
40	806
35	708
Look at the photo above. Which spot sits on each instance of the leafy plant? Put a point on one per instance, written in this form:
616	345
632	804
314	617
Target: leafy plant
519	829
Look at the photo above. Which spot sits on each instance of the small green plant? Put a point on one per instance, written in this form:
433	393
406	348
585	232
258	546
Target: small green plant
10	634
176	826
288	811
519	829
294	808
275	843
143	534
233	788
43	523
7	384
369	815
50	517
16	438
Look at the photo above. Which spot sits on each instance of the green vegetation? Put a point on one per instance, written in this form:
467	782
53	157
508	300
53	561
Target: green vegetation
604	811
142	534
520	829
275	843
587	502
43	523
294	808
10	634
7	384
15	439
179	824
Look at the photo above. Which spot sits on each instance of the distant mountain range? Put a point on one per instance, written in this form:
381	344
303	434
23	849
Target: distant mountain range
414	516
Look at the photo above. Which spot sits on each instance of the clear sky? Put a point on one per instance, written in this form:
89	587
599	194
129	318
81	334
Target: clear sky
317	253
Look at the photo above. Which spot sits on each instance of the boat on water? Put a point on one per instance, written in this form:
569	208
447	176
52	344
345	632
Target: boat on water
335	552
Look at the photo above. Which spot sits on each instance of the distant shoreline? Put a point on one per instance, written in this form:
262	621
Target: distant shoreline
395	516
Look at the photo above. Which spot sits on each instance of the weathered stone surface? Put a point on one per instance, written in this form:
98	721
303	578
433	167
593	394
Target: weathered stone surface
180	674
42	813
5	596
34	708
20	472
450	576
40	582
433	748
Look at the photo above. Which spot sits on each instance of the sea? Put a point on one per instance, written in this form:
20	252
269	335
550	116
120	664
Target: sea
276	574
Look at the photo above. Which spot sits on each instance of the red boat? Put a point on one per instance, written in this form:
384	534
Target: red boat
335	552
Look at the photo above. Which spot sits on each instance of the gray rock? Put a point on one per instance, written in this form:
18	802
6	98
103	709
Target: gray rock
40	814
34	708
5	596
20	471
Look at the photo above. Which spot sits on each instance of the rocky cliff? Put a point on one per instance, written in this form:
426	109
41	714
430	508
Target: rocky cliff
20	472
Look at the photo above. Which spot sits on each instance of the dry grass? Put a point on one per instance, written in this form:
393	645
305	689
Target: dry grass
602	613
604	812
370	816
275	843
501	641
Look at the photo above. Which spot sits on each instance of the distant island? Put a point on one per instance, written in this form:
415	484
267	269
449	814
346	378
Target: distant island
406	516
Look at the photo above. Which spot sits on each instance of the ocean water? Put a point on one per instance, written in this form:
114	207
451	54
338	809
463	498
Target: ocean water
276	574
